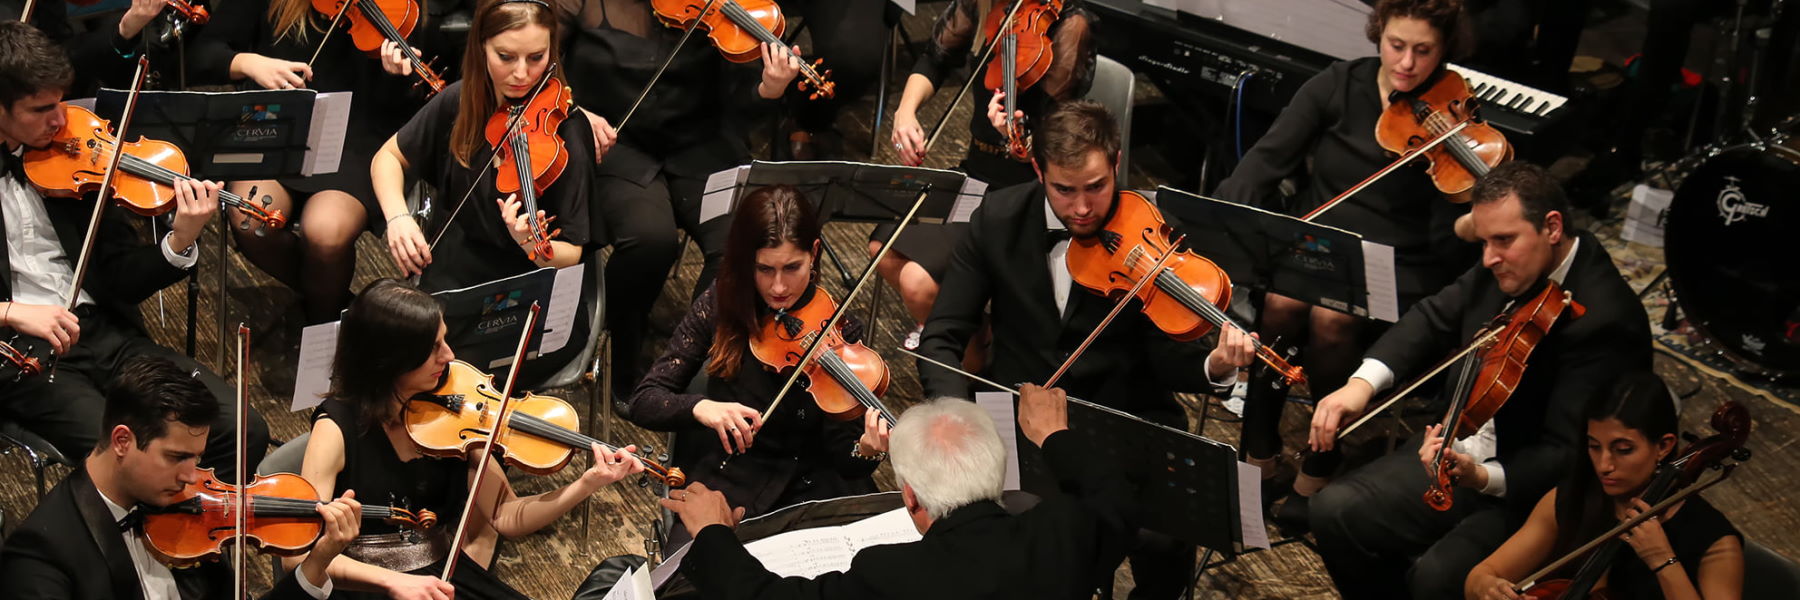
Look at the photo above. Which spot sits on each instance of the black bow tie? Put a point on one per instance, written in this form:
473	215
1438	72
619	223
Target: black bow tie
1053	236
15	167
132	521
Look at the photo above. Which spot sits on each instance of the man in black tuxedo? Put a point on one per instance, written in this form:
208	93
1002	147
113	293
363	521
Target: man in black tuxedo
1011	265
43	241
82	542
1372	522
951	466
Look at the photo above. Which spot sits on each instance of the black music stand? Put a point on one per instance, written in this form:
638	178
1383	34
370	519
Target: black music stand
1187	485
227	136
484	320
1320	264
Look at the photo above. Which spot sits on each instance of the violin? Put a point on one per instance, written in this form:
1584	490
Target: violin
377	21
1023	33
529	153
738	28
1732	421
281	518
23	361
74	164
540	438
845	379
1481	392
1187	296
1411	118
188	11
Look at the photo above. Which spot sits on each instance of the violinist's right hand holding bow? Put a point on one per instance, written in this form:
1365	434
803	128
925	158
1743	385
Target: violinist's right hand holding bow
406	242
53	324
1490	587
735	423
1336	411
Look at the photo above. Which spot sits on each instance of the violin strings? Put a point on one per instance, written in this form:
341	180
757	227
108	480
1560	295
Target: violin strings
1185	294
748	22
164	175
381	22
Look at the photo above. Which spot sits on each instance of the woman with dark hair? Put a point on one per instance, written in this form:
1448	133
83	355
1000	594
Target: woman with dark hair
1690	551
1325	139
767	269
512	44
390	349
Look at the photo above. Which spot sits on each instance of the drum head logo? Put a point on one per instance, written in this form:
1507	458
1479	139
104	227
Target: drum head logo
1734	207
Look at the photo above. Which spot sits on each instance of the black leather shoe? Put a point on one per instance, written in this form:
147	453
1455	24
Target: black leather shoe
1289	514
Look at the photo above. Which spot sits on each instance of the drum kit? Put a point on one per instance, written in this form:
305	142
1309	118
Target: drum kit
1734	270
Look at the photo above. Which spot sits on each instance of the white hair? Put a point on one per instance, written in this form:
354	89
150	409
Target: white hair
950	453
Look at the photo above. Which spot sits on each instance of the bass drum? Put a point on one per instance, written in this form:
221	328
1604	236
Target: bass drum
1733	250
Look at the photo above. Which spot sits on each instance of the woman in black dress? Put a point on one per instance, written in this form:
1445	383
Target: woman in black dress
390	349
1325	138
267	43
1690	551
511	46
798	454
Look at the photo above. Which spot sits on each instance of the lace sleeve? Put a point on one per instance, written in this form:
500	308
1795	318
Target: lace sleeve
951	39
661	401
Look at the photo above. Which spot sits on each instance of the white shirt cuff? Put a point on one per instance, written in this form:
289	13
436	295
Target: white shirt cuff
317	592
181	260
1230	376
1376	373
1496	483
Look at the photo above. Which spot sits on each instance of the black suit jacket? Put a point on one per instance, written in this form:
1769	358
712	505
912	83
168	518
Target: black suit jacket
1539	427
1060	548
123	271
70	548
1003	260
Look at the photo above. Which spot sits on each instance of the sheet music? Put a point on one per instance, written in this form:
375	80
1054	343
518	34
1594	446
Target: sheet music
312	377
1645	220
891	527
87	103
999	407
325	139
721	192
814	552
910	6
1250	517
565	302
1378	271
669	566
973	190
633	585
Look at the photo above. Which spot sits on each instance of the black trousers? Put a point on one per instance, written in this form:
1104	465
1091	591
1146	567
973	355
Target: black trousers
850	36
67	409
1162	567
641	222
1380	540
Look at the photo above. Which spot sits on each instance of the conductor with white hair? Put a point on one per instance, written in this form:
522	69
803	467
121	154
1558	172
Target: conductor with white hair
951	465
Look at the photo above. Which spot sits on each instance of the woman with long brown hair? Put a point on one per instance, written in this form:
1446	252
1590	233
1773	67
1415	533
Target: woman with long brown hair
768	268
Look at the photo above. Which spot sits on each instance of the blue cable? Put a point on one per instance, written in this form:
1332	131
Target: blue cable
1237	91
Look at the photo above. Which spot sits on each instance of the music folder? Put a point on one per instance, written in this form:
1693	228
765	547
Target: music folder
850	191
234	136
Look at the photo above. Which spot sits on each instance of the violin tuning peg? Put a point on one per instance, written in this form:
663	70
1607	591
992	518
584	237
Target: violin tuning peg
244	225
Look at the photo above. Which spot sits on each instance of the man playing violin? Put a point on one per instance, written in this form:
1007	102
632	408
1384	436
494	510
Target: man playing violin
951	465
1013	259
1371	521
43	243
83	540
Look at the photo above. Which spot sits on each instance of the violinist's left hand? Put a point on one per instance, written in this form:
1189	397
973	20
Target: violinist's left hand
779	68
874	440
196	201
610	467
516	226
699	507
1647	538
1463	469
996	112
1236	350
393	59
139	14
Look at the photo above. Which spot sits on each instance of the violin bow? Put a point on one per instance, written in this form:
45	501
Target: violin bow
328	30
1482	339
1118	306
975	73
1623	526
512	380
241	503
106	187
25	13
812	349
958	371
1404	158
645	93
488	166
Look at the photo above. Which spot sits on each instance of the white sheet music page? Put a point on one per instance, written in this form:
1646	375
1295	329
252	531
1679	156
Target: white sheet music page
891	527
565	305
721	192
815	552
973	190
1250	517
910	6
312	376
325	139
1378	273
999	407
668	567
633	585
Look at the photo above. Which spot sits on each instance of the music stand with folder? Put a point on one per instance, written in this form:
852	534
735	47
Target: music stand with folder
1319	264
238	136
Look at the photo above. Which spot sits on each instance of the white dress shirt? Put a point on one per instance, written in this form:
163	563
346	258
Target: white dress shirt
41	271
158	582
1483	447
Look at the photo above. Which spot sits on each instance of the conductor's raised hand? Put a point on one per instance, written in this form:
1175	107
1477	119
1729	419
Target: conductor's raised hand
1042	411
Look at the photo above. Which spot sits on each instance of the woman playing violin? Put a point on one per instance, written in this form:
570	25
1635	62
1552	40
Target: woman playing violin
512	48
1689	552
390	349
799	455
268	44
1326	139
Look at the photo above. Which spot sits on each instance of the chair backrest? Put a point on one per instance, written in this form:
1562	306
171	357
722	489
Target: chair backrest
1767	574
285	459
1113	86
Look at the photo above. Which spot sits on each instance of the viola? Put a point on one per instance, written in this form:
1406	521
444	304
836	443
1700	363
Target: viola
1023	34
845	379
376	21
530	155
1482	392
1412	118
281	518
74	164
738	28
540	437
1186	298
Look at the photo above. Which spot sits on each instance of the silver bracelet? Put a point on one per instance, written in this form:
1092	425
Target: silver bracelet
856	451
397	217
1665	565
